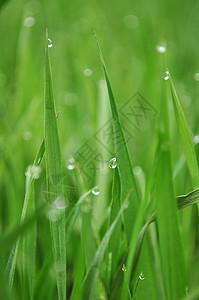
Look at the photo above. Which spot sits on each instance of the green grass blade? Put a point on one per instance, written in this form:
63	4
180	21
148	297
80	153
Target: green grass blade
92	274
185	137
113	248
54	179
123	161
171	251
11	265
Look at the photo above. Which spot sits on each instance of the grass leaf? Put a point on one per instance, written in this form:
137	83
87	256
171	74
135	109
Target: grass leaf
185	137
54	179
11	265
123	160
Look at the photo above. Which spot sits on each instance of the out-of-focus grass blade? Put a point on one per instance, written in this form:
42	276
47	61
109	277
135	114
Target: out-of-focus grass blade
92	274
185	137
10	268
54	177
171	251
124	165
113	249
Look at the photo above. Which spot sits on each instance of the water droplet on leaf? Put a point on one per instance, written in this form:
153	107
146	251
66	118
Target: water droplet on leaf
123	268
88	72
95	191
113	163
50	43
141	276
29	21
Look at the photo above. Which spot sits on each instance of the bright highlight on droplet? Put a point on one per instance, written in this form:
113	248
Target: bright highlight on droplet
161	48
33	171
50	43
113	163
29	22
70	164
123	268
95	191
141	276
166	75
88	72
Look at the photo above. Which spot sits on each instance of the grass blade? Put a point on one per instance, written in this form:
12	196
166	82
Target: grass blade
123	160
171	250
113	248
92	274
11	265
185	137
54	180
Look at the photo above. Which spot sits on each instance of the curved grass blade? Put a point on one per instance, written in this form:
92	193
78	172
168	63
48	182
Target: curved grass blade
185	137
123	160
11	265
92	274
54	178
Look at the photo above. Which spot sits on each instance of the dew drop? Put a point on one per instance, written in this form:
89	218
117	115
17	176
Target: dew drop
166	75
161	48
112	163
88	72
33	171
123	268
95	191
60	202
141	276
196	139
50	43
27	135
29	22
70	164
197	76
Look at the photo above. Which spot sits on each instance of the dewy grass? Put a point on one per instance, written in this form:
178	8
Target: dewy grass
54	180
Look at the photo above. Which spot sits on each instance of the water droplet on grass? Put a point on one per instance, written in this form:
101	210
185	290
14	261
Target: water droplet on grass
95	191
197	76
88	72
166	75
70	164
141	276
113	163
123	268
161	48
50	43
27	135
33	171
196	139
29	22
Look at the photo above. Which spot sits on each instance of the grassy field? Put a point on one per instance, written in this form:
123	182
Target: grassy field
99	150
